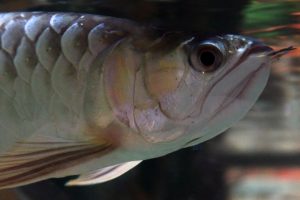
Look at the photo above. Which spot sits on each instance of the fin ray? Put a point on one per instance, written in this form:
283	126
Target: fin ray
104	174
33	161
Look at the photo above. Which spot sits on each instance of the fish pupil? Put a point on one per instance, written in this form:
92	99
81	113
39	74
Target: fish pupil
207	58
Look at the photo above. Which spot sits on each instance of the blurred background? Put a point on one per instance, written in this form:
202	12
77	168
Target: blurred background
258	159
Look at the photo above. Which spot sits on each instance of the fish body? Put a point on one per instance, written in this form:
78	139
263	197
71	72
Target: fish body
80	92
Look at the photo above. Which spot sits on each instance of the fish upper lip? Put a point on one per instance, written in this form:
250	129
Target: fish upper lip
259	47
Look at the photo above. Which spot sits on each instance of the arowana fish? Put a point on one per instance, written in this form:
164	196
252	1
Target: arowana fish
93	96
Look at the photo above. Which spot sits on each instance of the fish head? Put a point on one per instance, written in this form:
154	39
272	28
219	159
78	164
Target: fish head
204	87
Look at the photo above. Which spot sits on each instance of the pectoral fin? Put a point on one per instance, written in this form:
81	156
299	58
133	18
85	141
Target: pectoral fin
33	161
103	175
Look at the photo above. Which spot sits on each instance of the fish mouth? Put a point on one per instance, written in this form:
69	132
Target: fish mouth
258	48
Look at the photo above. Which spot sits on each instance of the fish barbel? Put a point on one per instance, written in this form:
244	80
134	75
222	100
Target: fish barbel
93	96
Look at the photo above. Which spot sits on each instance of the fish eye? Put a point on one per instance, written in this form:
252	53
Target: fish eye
206	58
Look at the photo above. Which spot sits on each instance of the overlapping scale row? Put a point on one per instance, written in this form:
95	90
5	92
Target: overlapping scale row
47	55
